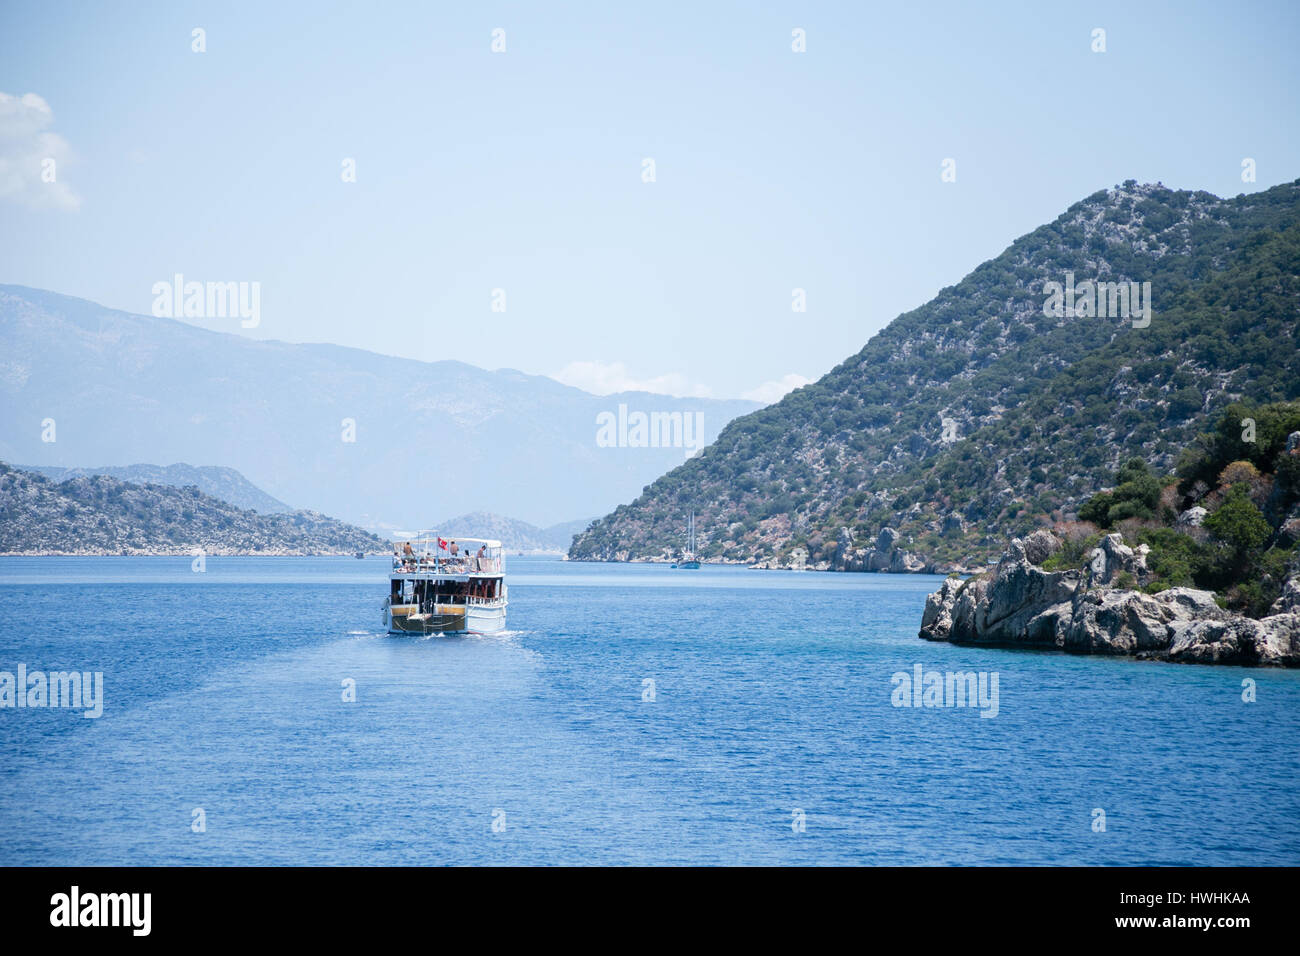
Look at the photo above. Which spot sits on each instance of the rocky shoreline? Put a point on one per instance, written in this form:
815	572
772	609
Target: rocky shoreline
882	556
1019	604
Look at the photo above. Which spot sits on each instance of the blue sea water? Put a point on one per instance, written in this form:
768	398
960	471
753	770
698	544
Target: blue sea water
771	695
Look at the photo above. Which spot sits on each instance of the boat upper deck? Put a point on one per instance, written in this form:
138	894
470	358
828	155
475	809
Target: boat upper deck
428	553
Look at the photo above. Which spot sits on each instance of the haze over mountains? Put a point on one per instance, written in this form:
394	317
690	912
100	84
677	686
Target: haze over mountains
428	439
985	412
514	535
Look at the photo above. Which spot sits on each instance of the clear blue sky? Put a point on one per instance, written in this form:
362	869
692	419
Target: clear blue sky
522	170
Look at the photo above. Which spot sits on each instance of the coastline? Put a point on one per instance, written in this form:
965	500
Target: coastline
882	555
1022	606
947	569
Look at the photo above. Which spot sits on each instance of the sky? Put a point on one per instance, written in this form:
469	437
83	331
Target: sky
501	213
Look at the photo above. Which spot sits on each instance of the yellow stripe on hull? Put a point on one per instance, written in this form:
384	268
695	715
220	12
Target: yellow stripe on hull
443	618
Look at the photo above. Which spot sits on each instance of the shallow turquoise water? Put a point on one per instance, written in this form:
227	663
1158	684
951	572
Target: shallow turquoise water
772	693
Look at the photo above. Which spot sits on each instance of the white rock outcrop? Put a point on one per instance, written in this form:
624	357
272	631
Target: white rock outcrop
1021	605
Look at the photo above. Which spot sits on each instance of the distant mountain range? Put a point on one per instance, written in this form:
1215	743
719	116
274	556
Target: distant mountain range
383	442
224	483
1006	401
514	535
98	514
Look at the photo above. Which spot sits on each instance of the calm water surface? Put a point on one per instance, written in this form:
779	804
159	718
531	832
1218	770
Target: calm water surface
771	694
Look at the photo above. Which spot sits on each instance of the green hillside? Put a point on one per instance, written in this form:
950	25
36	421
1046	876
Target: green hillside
99	514
1039	410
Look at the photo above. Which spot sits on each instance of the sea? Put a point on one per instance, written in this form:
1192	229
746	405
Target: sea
254	712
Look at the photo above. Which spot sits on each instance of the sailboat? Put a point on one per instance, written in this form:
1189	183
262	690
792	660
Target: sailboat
689	560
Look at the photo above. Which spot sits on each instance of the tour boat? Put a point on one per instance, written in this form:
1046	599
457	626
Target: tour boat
434	589
689	560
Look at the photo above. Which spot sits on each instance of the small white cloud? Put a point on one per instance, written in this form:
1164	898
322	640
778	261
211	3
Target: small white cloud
32	158
606	378
770	392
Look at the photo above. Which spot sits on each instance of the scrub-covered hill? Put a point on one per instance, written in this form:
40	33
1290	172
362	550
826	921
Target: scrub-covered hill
98	514
1005	402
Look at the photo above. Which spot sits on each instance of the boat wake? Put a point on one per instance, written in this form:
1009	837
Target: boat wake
472	636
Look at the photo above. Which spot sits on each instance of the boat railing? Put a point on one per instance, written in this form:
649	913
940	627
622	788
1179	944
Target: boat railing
445	564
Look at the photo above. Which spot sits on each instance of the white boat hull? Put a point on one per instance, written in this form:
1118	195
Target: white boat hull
486	620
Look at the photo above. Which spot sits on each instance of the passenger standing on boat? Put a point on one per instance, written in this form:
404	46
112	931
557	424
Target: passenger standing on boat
478	558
